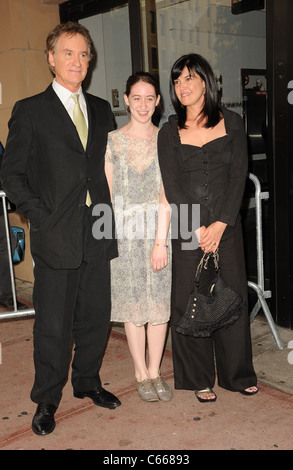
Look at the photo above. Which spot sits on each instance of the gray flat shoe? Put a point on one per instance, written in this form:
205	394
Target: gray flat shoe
146	390
163	390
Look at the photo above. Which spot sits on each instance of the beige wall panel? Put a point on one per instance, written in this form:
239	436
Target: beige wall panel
41	19
13	29
12	77
38	72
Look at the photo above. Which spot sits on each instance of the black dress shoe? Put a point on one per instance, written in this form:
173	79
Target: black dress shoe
43	421
100	397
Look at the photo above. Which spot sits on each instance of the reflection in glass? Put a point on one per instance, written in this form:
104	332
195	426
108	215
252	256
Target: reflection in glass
208	27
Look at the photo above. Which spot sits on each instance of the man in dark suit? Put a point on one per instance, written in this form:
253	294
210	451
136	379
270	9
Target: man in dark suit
53	170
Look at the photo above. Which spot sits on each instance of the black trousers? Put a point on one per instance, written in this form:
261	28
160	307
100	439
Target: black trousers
227	353
71	306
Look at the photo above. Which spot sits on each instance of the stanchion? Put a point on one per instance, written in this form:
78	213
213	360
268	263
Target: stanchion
15	313
259	287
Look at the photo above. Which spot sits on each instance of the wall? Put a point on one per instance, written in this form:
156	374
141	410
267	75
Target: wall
23	71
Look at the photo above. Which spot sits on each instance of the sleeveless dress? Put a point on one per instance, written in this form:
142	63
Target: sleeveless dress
139	295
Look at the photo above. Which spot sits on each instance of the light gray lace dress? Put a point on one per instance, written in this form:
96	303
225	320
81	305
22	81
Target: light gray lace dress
139	295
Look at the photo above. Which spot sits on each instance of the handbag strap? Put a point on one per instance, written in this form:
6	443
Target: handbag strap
203	264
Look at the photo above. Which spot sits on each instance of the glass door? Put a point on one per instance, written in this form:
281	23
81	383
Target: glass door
208	27
115	26
108	75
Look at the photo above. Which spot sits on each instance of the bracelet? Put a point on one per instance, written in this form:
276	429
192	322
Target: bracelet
159	244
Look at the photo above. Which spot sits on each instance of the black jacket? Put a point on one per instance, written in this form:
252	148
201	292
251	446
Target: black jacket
46	172
212	176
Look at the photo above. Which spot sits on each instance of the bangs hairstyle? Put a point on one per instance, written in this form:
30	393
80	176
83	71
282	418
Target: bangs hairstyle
211	111
145	77
141	77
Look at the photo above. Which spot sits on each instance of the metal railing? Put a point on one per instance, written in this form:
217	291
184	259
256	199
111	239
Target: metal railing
258	287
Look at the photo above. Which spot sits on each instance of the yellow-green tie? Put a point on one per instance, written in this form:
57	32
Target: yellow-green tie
79	121
81	127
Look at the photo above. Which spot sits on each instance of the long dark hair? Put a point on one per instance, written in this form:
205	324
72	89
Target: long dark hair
211	110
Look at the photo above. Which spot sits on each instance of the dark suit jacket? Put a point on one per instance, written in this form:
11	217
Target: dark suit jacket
46	173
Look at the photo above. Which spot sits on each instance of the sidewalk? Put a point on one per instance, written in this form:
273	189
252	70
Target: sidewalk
234	421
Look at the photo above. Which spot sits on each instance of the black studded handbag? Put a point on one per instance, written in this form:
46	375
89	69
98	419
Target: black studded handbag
219	308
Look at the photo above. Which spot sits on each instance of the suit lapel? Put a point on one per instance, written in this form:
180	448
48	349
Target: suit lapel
91	117
60	113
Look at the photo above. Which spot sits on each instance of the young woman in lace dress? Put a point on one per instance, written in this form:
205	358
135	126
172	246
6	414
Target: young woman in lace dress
140	276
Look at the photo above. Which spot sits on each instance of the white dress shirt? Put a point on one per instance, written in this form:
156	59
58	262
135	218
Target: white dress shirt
65	96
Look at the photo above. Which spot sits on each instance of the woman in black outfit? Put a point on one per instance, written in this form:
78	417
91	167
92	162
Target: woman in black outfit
203	159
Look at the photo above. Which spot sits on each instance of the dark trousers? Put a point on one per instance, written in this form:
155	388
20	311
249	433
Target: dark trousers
227	353
71	306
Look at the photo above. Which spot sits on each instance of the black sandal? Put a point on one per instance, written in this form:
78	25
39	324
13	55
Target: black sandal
247	393
207	390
